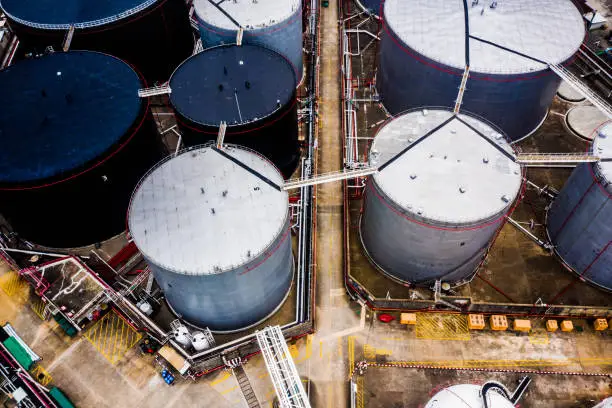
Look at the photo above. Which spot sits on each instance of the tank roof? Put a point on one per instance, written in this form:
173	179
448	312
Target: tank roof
467	395
250	14
201	214
235	84
454	175
48	14
63	110
602	146
549	30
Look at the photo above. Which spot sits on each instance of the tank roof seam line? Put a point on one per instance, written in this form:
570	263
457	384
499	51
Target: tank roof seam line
247	168
508	49
225	13
492	143
467	33
425	136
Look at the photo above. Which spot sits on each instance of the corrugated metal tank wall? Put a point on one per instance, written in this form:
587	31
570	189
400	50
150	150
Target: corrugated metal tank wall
284	37
417	251
579	224
231	300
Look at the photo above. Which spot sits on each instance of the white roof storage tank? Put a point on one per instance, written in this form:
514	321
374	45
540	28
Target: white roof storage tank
444	187
467	395
216	235
427	44
274	24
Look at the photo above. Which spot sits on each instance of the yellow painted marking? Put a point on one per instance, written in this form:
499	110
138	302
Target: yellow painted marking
293	351
351	354
321	349
438	326
360	400
112	336
41	375
38	306
508	363
538	337
12	284
224	377
308	349
229	390
370	352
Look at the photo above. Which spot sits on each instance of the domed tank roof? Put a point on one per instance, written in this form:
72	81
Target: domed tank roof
75	12
250	14
437	30
462	173
61	111
201	213
235	84
467	396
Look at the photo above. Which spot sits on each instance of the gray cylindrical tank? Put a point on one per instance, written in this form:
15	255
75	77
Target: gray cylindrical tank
579	221
467	395
432	213
423	57
275	24
216	236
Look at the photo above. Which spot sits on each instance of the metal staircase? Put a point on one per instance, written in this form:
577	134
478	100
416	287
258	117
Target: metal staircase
555	159
328	178
245	387
581	87
284	375
462	87
154	91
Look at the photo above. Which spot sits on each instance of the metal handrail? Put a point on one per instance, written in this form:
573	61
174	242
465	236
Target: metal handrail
87	24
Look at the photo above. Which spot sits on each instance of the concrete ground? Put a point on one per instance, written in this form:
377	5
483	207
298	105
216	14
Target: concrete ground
387	387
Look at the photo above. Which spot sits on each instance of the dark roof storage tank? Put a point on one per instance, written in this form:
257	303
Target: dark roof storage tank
251	88
423	56
274	24
579	222
216	235
152	35
76	138
370	6
432	212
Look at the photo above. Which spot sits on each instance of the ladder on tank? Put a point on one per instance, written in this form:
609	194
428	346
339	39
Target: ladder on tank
462	87
582	88
245	386
556	159
284	375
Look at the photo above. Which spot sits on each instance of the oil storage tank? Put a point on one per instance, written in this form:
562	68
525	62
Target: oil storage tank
468	395
579	221
153	35
274	24
444	187
76	139
249	87
427	44
215	231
